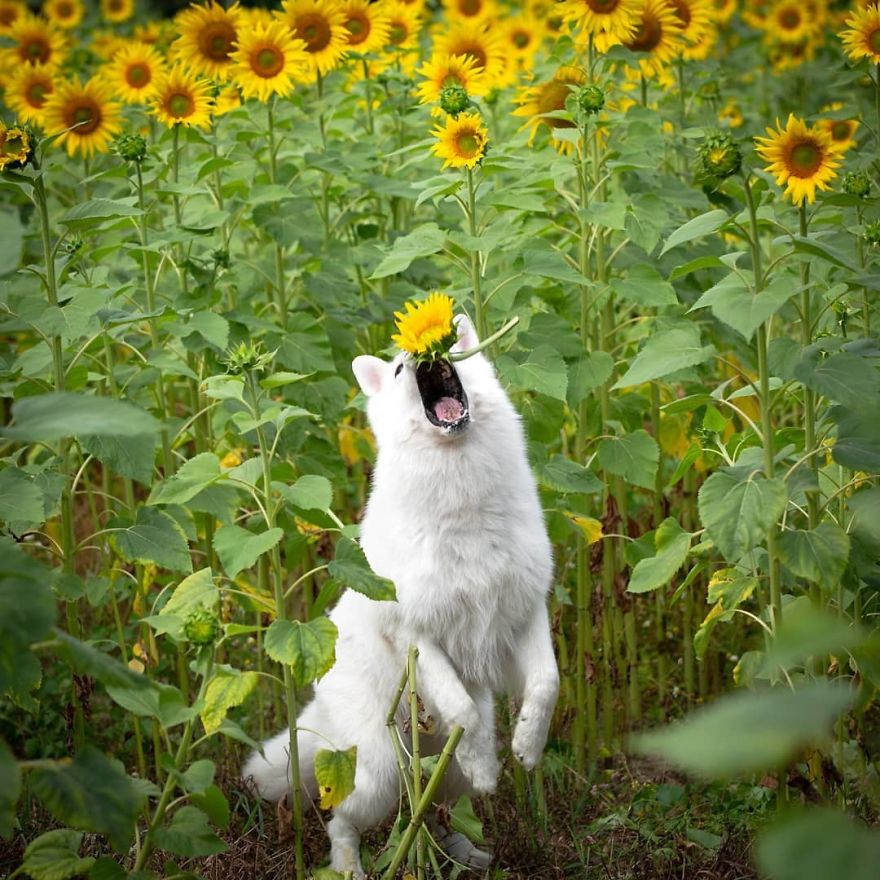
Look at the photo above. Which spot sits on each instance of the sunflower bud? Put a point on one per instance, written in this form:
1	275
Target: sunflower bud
857	183
718	157
248	358
131	147
871	233
17	144
591	99
454	99
201	627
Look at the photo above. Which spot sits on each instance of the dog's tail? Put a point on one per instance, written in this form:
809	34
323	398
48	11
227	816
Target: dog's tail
268	773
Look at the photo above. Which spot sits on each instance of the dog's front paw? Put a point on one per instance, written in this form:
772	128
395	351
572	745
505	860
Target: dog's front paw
529	739
479	765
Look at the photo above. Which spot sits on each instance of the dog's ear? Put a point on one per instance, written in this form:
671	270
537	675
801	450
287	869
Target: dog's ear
467	336
370	373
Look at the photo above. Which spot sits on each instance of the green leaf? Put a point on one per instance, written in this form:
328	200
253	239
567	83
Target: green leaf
308	648
55	856
189	835
48	417
213	802
88	660
21	500
10	789
666	352
587	374
634	456
819	555
229	687
212	327
11	242
543	261
198	776
817	845
646	218
193	592
161	701
91	793
239	548
645	286
564	475
423	241
306	348
698	227
843	377
129	457
154	537
858	436
465	821
351	568
96	211
738	512
334	772
708	262
310	492
194	475
544	371
672	543
815	248
748	731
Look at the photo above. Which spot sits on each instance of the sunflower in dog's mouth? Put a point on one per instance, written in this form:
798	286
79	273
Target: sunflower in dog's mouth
426	332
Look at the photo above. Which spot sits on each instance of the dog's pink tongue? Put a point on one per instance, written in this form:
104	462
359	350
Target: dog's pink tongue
448	409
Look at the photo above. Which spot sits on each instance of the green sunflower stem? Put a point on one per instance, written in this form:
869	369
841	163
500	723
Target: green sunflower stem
476	279
416	760
279	286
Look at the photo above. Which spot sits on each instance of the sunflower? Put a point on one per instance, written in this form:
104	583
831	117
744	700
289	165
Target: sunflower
485	45
801	157
269	60
788	56
15	146
404	26
549	98
366	25
861	38
228	98
695	17
35	41
85	114
65	14
722	11
10	12
472	11
28	90
462	141
182	97
793	21
617	19
426	328
841	131
133	72
523	35
731	114
208	37
320	24
106	43
117	11
440	71
658	39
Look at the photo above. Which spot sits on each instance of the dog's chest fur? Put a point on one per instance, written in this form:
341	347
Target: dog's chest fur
457	526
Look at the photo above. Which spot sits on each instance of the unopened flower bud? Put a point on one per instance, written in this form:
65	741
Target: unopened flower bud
871	233
857	183
201	627
591	99
131	147
454	99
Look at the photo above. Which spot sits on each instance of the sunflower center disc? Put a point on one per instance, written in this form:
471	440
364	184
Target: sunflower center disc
358	29
603	6
86	118
840	130
551	100
520	39
468	144
397	34
138	75
36	95
216	42
64	10
873	41
315	31
805	159
180	105
470	7
37	50
683	11
790	19
269	62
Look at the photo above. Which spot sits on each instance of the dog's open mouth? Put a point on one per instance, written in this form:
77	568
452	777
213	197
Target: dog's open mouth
443	397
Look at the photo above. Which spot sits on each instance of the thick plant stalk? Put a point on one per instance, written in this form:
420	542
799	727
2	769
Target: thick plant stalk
416	760
659	597
476	279
279	287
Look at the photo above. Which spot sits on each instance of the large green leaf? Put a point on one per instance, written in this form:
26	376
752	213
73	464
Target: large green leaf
818	844
161	701
748	731
129	456
48	417
351	568
55	856
672	543
308	648
306	348
587	374
10	788
88	660
633	456
198	591
91	793
239	548
154	537
644	286
666	352
334	772
858	436
564	475
96	211
193	476
21	500
738	511
698	227
423	241
544	370
843	377
189	834
229	687
819	555
310	492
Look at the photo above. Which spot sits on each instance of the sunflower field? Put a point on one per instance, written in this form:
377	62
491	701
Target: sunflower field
663	217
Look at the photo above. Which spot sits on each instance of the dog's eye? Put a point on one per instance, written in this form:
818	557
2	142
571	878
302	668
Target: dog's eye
397	371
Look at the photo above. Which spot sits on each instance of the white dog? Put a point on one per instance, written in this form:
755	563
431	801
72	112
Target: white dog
454	520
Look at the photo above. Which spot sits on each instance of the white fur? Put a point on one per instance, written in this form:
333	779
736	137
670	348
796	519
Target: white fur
455	522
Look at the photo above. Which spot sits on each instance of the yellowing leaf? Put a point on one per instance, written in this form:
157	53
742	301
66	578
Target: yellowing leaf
591	528
228	688
334	772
